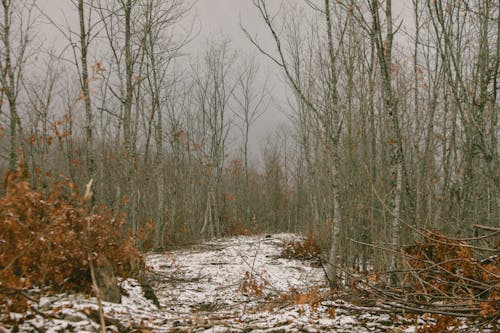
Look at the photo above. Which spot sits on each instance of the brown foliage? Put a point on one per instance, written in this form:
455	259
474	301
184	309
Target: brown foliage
441	324
253	285
443	263
238	228
307	249
444	269
311	297
45	241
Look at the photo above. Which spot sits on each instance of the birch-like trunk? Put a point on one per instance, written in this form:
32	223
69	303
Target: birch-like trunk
9	87
84	83
332	123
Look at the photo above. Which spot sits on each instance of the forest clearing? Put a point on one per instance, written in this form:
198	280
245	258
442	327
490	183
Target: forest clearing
238	284
249	165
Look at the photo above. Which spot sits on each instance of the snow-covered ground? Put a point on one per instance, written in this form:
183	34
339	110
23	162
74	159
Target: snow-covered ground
239	284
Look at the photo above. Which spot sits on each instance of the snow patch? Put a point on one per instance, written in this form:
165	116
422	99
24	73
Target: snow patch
237	284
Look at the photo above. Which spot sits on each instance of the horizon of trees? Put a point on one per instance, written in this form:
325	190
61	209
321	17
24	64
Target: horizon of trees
386	137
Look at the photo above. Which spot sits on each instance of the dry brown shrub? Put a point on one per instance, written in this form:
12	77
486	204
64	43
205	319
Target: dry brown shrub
449	268
238	228
253	285
307	249
312	297
441	324
45	241
444	269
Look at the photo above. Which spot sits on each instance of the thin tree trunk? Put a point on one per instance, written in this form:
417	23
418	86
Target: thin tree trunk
9	85
333	135
84	82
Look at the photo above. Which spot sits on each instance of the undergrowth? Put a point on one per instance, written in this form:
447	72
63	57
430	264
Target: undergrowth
45	241
442	275
307	249
444	269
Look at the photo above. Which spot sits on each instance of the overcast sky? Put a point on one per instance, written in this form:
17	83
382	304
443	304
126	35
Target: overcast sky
213	19
224	17
221	19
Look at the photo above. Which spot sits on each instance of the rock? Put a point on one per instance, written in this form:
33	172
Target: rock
106	280
150	294
73	318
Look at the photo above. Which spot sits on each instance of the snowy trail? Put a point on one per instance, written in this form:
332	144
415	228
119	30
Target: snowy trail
211	275
243	284
238	284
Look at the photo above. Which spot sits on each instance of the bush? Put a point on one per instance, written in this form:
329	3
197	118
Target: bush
442	269
307	249
45	241
448	268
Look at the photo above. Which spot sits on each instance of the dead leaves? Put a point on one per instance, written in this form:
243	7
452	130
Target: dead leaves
252	285
440	324
444	268
307	249
312	297
44	240
488	308
448	267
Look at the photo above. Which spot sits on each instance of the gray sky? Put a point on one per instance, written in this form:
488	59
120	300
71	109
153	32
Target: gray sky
213	19
220	19
224	17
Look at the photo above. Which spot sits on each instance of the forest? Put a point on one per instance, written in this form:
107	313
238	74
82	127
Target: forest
120	144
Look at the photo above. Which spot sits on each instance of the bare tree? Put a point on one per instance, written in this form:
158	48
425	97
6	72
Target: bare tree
40	91
126	43
472	79
17	20
214	90
85	39
384	47
326	109
251	105
160	90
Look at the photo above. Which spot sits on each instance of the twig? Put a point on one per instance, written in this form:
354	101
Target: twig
478	226
455	310
87	197
466	311
252	267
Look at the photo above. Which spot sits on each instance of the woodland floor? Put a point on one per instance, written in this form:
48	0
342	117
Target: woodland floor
239	284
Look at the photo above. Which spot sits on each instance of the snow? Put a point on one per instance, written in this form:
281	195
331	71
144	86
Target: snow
238	284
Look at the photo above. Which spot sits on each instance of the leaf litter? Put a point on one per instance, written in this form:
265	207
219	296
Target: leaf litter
237	284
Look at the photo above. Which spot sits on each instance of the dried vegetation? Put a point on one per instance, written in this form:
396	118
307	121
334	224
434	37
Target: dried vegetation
441	277
45	242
